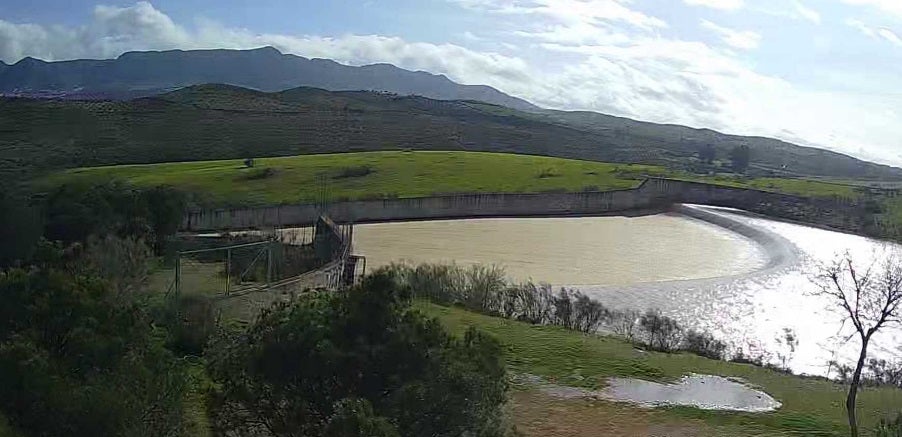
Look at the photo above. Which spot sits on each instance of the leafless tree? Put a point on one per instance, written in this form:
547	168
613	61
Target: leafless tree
869	299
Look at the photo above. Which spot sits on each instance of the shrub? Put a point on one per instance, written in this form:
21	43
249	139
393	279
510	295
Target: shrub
588	313
704	344
305	367
353	172
563	310
258	174
548	173
624	323
663	333
191	322
93	367
536	303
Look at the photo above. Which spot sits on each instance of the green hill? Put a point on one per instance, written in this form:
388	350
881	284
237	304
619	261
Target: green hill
362	175
225	122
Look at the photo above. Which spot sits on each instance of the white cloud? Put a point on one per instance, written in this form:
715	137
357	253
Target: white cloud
570	12
875	32
608	59
806	12
740	39
891	6
727	5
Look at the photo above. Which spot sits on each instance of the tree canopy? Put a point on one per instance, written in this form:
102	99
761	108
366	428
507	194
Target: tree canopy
361	359
77	360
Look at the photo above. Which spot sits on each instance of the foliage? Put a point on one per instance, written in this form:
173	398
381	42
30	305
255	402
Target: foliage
663	332
790	342
76	360
74	212
257	174
190	322
357	171
304	367
355	417
122	262
704	344
882	372
485	290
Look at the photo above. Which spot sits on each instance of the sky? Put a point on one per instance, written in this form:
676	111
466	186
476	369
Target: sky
825	73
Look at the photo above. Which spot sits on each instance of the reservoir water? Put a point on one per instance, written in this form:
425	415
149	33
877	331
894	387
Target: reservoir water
744	287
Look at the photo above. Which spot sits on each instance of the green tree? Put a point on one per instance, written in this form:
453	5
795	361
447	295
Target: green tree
740	157
75	212
305	367
75	360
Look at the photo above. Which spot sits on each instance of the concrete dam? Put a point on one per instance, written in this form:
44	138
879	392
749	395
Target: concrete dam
652	195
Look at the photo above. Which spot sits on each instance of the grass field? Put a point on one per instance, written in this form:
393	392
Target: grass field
307	178
810	406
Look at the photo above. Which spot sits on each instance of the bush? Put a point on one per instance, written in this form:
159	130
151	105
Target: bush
353	172
258	174
191	321
310	366
485	290
74	212
355	417
122	262
546	173
662	333
75	360
624	323
704	344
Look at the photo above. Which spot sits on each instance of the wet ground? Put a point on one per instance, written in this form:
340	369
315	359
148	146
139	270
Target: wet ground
706	392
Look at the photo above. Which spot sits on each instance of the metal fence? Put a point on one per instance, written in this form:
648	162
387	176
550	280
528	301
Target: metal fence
241	262
225	270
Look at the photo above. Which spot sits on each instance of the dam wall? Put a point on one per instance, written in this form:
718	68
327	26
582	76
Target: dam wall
424	208
651	195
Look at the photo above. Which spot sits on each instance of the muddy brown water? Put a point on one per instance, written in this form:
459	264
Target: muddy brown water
574	251
704	275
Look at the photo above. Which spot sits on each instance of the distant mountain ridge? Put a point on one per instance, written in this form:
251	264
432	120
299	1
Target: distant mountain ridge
141	74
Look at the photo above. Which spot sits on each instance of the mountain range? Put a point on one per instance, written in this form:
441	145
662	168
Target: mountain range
155	106
140	74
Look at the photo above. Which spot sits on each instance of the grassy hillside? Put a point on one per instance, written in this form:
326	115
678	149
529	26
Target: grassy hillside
810	406
223	122
399	174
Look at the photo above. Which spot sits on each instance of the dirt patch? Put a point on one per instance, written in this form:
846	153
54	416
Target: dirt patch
539	414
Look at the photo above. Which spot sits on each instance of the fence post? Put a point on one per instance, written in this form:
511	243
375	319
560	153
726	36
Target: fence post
228	270
178	274
269	248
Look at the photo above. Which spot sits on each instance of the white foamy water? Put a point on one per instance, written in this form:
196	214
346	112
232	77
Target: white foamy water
705	276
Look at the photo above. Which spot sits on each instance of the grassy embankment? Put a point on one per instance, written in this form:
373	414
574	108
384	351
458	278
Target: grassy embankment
403	174
810	406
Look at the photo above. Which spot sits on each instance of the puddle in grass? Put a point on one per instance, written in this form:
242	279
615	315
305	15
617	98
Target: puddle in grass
706	392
